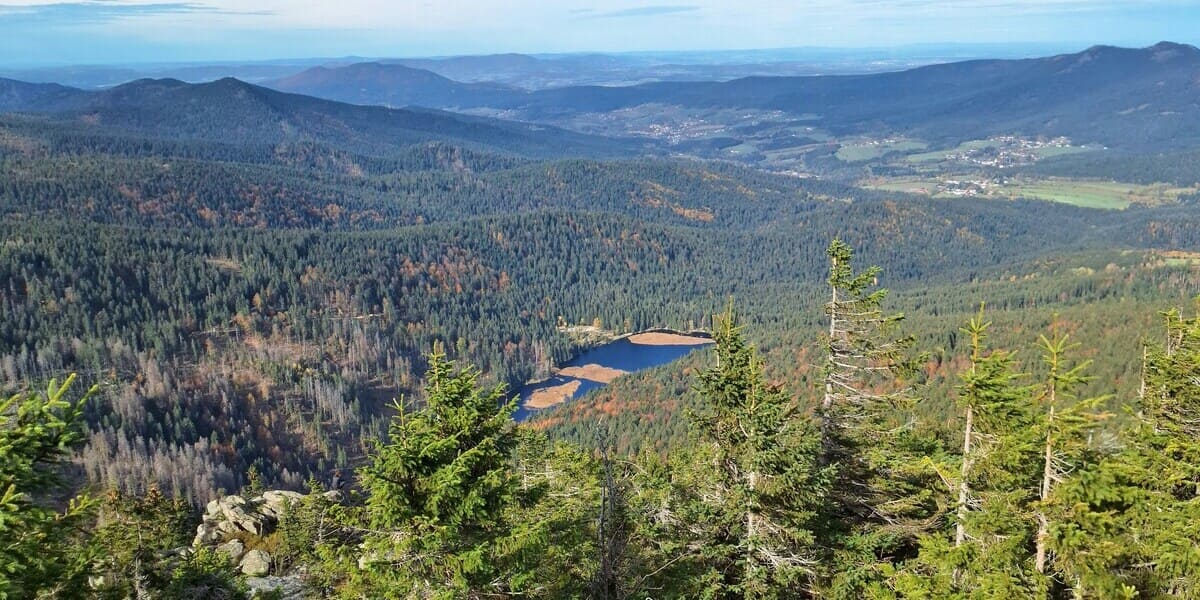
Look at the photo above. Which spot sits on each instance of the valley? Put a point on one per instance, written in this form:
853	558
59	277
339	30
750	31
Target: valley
541	312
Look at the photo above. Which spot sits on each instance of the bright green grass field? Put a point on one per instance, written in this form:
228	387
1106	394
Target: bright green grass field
1088	194
861	152
1094	194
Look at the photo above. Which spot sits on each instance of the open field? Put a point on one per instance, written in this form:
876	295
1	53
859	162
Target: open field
1110	195
940	155
1052	151
871	150
1093	194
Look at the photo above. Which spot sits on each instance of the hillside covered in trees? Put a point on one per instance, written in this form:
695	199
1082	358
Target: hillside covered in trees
845	490
249	285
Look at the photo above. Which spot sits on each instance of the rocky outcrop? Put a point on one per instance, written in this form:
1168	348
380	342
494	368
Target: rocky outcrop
256	563
231	522
234	549
286	587
274	503
234	515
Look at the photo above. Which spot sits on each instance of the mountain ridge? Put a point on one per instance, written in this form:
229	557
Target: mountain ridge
387	84
233	111
1147	97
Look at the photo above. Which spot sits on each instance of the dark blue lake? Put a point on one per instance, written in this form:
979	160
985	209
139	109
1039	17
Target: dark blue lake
622	354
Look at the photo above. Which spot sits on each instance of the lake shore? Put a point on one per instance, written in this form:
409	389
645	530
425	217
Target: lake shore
664	338
587	370
552	396
593	372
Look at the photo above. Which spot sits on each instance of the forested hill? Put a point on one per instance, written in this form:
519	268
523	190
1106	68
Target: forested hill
389	85
233	112
1116	96
21	96
1133	98
254	274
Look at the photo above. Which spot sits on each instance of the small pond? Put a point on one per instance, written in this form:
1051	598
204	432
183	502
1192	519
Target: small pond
595	368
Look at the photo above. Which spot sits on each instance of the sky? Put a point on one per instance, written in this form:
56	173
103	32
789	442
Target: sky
49	32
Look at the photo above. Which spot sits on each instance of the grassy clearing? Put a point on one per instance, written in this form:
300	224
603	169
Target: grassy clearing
872	150
1052	151
1096	194
906	185
940	155
1108	195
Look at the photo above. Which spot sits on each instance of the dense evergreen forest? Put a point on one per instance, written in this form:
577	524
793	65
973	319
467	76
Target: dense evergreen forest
259	304
257	311
845	490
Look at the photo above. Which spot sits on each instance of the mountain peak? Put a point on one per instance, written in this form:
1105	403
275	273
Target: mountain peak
1164	51
1165	45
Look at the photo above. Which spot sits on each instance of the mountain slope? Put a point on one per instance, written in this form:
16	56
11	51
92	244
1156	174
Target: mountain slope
1137	98
22	96
234	112
388	85
1104	94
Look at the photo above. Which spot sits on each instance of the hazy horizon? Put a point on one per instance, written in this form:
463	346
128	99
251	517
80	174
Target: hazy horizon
100	32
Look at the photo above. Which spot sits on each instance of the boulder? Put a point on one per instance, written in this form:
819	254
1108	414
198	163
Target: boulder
256	563
242	515
233	516
206	533
227	528
287	587
274	503
234	549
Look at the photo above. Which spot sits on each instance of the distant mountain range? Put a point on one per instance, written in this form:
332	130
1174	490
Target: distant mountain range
538	71
1141	99
1116	96
234	112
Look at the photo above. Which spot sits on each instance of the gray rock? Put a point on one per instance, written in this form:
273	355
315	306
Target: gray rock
256	563
242	515
289	587
275	503
234	548
225	528
206	533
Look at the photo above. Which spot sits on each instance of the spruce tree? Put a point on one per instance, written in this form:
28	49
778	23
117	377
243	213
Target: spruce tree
1068	426
751	506
1138	514
132	534
41	554
885	493
989	553
438	490
553	525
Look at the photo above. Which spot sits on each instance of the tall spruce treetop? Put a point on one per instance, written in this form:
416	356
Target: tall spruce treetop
37	431
756	500
1163	465
885	491
438	490
989	552
1068	426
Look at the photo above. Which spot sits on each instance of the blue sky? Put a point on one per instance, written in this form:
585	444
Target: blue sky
114	31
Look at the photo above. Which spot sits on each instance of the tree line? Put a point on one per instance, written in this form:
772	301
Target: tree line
1025	494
